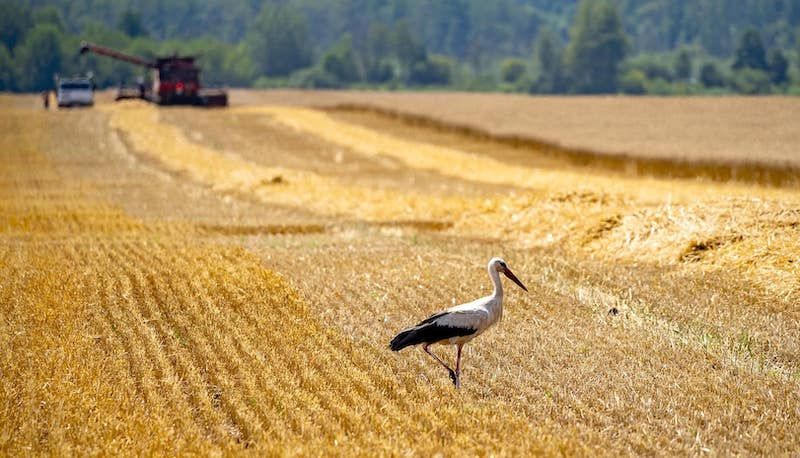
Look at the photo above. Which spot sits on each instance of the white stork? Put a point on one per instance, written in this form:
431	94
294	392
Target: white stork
460	324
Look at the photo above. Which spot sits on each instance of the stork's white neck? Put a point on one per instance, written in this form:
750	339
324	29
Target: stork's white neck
498	285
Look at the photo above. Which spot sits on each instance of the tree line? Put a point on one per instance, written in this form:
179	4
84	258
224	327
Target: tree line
536	46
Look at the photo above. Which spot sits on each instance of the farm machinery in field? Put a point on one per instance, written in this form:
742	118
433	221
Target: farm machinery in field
175	80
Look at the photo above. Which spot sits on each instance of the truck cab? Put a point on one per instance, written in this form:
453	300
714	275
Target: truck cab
75	92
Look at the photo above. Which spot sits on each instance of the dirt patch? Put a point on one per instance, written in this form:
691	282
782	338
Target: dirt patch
606	225
580	197
696	251
270	229
421	225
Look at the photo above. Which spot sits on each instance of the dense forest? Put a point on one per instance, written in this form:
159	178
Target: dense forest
537	46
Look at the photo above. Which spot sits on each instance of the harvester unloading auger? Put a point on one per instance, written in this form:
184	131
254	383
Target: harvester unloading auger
176	79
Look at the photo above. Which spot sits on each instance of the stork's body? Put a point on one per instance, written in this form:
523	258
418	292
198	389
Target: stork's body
460	324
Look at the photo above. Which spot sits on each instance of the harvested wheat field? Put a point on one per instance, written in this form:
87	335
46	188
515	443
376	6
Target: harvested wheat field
716	137
179	281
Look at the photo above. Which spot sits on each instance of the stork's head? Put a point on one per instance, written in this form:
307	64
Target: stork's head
500	266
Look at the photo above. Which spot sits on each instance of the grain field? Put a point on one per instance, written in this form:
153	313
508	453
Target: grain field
183	281
719	137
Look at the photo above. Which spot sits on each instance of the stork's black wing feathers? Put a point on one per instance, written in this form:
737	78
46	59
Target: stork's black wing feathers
426	332
431	318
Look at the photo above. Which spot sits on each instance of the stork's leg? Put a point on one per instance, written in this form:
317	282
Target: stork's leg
458	366
452	374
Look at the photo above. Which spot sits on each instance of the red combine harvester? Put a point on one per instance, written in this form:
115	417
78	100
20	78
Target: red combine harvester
176	79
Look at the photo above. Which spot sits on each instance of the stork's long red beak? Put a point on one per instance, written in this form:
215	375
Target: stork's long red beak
514	278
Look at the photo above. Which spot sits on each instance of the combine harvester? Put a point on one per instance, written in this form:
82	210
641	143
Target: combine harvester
176	80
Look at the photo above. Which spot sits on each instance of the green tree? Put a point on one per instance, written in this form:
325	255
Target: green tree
130	23
751	81
380	71
435	70
633	82
549	61
512	70
222	63
6	70
683	65
340	61
379	41
314	78
597	47
778	67
239	69
15	22
408	48
652	65
278	41
379	56
49	15
40	58
711	76
750	53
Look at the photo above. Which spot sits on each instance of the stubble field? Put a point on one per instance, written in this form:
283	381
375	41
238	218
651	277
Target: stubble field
178	280
748	134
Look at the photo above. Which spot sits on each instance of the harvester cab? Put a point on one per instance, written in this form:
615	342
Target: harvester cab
176	79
